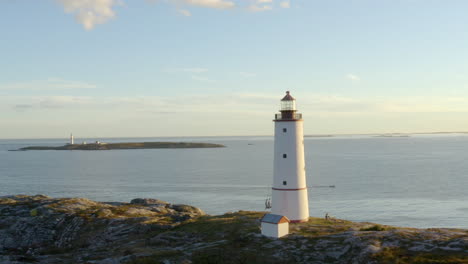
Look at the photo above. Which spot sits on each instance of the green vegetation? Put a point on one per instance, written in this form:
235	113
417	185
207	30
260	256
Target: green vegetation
231	225
374	228
321	227
397	255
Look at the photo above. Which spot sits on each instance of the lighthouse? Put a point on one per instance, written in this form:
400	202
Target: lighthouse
289	192
72	139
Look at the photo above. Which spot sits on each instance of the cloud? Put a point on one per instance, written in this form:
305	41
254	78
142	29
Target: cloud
22	107
285	4
189	70
259	8
242	102
184	12
194	73
201	79
260	5
49	84
90	13
218	4
234	114
247	74
55	102
353	77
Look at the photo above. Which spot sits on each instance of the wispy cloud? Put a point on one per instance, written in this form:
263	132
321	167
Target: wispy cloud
90	13
22	107
56	102
184	12
260	5
196	74
265	103
259	8
189	70
201	78
285	4
247	74
343	114
49	84
219	4
352	77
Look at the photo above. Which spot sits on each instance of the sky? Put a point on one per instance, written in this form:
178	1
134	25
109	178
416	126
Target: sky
157	68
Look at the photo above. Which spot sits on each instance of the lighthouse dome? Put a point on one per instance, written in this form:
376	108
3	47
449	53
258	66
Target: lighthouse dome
288	103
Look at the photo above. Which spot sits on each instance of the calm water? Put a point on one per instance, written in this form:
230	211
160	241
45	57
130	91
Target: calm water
418	181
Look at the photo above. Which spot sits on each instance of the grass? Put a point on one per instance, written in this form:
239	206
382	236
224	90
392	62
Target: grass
374	228
395	255
228	225
321	227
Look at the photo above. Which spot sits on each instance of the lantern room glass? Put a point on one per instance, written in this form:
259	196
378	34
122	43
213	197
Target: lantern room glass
288	105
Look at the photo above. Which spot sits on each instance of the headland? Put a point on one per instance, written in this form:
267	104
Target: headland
42	229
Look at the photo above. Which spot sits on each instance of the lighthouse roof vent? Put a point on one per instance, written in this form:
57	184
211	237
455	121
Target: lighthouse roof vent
288	97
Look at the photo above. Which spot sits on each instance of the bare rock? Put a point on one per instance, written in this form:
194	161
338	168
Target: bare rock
139	212
187	209
148	201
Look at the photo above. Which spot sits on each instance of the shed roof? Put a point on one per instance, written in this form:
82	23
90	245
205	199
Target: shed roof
274	219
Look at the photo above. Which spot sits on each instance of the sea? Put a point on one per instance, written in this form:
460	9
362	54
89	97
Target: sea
418	180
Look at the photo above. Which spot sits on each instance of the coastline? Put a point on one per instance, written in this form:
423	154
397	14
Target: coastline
77	230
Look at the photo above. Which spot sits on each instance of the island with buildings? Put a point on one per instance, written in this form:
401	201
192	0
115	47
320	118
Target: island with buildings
125	145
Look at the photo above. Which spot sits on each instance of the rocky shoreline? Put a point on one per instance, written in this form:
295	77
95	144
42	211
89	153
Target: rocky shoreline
41	229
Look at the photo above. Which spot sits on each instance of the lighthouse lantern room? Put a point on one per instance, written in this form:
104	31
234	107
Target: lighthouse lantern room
289	192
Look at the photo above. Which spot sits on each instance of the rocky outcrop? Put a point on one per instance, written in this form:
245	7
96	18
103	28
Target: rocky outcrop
41	229
77	230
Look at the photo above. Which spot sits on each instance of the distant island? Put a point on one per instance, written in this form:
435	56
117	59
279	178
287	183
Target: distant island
393	135
126	145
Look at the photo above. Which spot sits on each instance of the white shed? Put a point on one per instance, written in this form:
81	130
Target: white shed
274	225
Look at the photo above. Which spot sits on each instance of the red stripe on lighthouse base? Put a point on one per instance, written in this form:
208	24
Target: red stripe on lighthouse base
276	189
299	221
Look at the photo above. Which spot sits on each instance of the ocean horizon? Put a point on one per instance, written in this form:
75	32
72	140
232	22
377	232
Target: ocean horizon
416	180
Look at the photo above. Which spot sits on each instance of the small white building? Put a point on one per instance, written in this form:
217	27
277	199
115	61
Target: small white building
274	225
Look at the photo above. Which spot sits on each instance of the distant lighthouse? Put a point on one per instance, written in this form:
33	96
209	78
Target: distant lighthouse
289	192
72	139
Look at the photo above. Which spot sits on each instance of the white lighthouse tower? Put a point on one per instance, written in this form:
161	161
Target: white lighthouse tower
72	139
289	192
